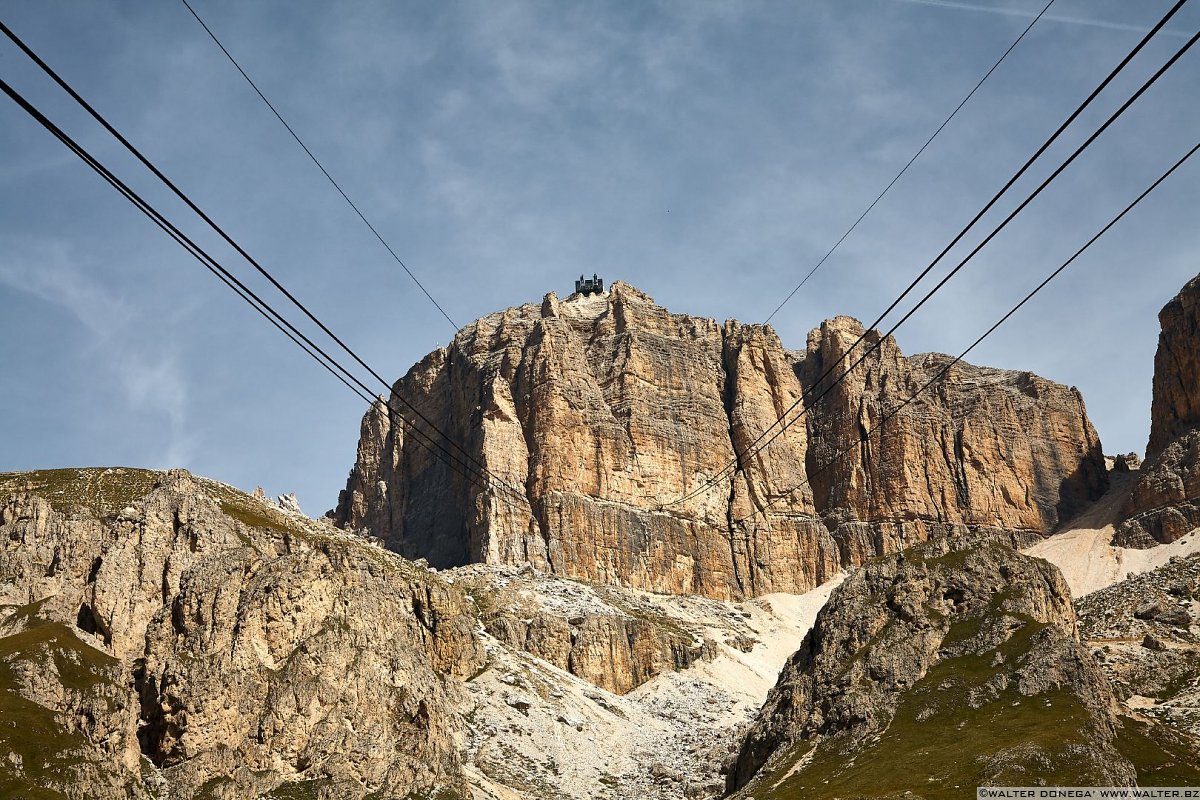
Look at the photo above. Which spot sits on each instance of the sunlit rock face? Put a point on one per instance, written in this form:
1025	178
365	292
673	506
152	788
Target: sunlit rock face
1164	504
164	631
606	425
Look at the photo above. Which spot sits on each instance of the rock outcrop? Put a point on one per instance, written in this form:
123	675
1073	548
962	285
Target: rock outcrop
958	658
539	731
68	721
166	637
614	652
162	631
1124	462
614	639
606	425
982	447
1165	502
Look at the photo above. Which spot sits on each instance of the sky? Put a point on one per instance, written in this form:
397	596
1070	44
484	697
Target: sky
708	153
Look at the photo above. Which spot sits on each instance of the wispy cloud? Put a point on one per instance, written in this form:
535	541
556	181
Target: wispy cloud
537	63
148	373
1030	14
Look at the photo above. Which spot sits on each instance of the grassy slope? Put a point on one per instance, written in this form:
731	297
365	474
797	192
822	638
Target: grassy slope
102	491
106	491
1013	739
48	753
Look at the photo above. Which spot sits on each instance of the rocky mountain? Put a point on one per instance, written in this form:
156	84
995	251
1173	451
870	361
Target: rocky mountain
539	730
166	636
959	659
163	635
610	613
1165	502
1175	409
606	423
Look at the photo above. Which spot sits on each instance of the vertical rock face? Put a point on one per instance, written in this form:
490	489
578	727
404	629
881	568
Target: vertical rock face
1164	503
321	665
981	447
613	652
1175	409
625	445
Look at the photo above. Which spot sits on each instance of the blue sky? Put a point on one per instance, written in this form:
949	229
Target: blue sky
706	152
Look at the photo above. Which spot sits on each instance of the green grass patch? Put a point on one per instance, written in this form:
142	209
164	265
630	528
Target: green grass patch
208	789
26	616
48	754
299	790
101	491
1188	676
1160	756
79	666
251	512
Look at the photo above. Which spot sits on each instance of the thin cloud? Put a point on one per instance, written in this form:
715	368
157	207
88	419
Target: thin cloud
1017	12
150	381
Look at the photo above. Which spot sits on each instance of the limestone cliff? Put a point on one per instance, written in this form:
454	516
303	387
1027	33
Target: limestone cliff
957	658
1175	409
1164	503
613	420
162	635
611	639
982	447
613	652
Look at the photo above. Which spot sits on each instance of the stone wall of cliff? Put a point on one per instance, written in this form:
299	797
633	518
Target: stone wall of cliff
613	419
1164	503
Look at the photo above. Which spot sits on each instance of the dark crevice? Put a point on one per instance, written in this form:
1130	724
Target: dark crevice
542	518
86	620
90	621
151	722
962	489
728	400
522	390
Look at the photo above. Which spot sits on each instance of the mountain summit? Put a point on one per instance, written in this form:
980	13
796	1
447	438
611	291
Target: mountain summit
614	420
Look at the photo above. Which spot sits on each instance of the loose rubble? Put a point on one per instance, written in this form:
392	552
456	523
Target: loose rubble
1145	633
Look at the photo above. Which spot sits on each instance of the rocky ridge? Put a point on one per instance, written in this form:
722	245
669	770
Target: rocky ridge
613	419
613	640
539	731
281	657
960	659
164	635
